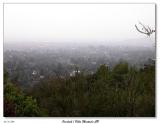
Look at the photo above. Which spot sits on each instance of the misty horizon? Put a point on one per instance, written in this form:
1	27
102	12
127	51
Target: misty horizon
143	42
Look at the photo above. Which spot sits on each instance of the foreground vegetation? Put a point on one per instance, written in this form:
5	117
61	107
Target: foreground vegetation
119	92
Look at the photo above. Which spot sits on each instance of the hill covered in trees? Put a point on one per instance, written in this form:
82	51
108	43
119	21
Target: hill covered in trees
123	91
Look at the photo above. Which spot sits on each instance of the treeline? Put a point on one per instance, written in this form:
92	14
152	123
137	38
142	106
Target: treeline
121	92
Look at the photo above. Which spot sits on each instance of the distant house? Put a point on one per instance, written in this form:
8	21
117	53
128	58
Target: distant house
41	76
73	73
34	72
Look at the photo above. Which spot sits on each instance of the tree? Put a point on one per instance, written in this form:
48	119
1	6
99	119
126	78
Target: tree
6	76
16	103
103	72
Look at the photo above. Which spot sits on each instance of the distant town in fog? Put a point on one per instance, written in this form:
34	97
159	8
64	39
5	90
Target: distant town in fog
36	61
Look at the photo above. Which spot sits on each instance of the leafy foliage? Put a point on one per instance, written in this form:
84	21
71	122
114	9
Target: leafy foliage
121	92
16	103
100	94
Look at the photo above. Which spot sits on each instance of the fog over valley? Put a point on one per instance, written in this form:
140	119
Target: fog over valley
47	59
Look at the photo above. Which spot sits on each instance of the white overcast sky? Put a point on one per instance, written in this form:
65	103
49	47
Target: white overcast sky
75	22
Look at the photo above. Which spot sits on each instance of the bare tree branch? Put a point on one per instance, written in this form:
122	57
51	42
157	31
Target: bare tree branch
145	29
140	30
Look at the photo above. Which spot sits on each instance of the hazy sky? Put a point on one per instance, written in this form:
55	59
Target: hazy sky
75	22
